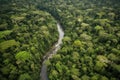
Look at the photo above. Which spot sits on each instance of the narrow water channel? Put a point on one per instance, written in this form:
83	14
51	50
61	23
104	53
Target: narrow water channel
56	47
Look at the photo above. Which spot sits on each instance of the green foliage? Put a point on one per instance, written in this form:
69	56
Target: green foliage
85	77
47	63
3	26
58	67
94	77
97	28
66	39
85	37
91	41
77	43
54	74
7	44
5	70
75	56
23	56
25	76
90	49
104	78
113	57
26	34
17	18
5	33
74	71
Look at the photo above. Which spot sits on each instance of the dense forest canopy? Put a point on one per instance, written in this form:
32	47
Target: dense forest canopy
26	34
90	48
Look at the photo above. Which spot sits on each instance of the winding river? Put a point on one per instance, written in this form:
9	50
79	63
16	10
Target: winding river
56	47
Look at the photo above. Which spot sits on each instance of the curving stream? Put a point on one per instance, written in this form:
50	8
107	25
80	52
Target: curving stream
56	47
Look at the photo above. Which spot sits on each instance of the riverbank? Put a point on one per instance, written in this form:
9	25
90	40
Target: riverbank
56	47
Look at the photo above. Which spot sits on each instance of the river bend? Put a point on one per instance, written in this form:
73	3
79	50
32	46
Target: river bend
55	48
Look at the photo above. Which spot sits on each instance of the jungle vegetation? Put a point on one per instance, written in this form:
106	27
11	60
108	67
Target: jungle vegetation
90	48
26	34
